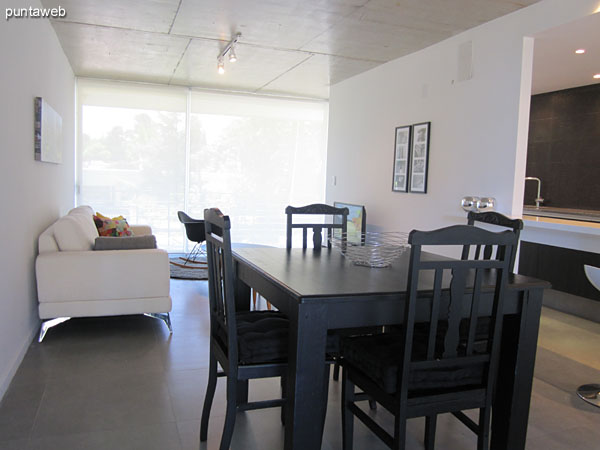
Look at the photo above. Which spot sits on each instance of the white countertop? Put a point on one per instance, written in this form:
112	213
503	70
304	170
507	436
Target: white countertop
585	215
575	226
566	233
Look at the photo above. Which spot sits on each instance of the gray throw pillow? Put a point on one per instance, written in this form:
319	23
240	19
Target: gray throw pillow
125	242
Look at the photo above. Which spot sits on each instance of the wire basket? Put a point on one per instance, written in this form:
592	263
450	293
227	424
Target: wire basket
376	249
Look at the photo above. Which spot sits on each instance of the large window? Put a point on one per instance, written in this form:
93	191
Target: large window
146	152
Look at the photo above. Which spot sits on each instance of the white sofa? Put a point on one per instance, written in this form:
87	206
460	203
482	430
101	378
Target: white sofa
74	280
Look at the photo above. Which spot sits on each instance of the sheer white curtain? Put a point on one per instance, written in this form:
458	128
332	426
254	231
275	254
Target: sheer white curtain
254	156
147	151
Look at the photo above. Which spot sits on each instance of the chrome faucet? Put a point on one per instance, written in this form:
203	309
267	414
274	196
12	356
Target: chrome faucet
539	198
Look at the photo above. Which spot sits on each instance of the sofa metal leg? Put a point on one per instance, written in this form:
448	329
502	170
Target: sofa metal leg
47	324
165	317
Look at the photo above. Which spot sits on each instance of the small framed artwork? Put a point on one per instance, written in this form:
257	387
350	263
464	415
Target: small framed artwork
357	222
401	159
47	136
419	157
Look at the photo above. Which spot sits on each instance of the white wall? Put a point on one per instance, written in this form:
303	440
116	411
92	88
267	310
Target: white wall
478	127
34	194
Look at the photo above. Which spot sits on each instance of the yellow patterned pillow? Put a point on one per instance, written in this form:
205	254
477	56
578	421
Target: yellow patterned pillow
103	217
117	226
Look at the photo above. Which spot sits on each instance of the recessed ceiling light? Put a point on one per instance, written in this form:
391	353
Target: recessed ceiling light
597	76
580	51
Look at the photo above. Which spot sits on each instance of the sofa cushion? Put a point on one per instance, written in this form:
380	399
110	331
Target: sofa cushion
71	234
83	209
85	216
117	226
125	242
47	242
64	277
140	230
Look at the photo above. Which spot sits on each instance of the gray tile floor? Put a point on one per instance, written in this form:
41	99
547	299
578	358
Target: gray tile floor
124	383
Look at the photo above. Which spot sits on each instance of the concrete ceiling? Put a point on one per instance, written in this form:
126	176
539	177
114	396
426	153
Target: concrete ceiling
288	47
556	66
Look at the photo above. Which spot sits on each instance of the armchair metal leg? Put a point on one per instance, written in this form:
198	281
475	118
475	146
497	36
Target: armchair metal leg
47	324
165	317
197	251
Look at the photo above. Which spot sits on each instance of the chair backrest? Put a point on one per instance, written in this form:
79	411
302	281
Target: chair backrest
221	294
470	279
194	228
316	209
500	220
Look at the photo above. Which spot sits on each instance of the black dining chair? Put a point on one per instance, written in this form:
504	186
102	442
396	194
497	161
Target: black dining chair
246	344
500	221
334	337
194	230
443	371
322	210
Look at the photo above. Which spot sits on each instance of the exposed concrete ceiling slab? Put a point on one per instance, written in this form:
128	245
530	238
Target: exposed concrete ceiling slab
275	24
255	67
370	41
140	15
121	54
288	47
313	77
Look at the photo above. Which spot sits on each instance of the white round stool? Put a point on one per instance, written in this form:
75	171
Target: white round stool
591	392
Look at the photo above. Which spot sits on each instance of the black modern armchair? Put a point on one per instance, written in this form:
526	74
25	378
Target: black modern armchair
194	230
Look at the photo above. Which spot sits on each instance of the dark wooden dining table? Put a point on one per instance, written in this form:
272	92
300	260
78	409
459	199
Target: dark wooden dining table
321	290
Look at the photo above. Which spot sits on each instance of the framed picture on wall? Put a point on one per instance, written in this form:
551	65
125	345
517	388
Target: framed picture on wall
419	157
47	131
401	159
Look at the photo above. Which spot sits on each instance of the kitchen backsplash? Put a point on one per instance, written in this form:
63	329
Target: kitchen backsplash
564	148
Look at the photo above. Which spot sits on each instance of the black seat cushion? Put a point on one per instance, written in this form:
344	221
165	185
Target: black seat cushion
379	357
482	331
335	337
262	336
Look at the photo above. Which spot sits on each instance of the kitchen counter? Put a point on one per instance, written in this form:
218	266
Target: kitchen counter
577	234
561	224
584	215
555	245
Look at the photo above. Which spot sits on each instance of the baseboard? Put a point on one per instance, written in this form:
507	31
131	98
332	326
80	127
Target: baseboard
8	375
572	304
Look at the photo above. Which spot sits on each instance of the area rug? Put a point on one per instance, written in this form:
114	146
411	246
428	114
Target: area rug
190	270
